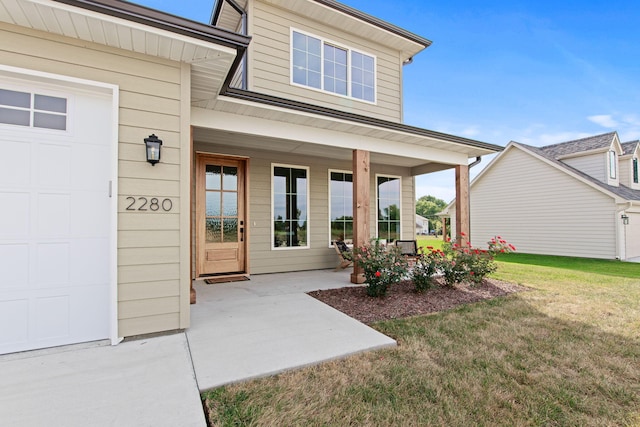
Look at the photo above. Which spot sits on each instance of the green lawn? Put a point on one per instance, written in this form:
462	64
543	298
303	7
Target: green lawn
564	353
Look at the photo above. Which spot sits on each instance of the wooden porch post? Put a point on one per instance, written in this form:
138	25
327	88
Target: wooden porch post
462	205
444	228
361	208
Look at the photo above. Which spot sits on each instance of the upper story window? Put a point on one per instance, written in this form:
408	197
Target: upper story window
290	201
33	110
635	170
324	65
613	160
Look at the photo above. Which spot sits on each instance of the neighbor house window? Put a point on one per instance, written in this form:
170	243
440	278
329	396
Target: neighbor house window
341	205
635	170
388	195
33	110
324	65
612	164
290	206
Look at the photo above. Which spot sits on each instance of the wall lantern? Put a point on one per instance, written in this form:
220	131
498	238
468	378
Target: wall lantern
153	145
625	219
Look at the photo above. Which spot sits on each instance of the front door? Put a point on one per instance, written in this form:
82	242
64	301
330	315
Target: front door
220	212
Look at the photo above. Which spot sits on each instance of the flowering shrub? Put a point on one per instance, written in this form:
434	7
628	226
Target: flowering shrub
466	263
425	267
382	267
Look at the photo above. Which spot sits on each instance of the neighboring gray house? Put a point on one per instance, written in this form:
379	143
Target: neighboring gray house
577	198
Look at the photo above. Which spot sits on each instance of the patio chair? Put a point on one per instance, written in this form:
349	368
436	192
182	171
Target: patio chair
345	254
408	247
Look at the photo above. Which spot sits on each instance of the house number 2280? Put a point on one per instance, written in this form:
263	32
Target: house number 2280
149	204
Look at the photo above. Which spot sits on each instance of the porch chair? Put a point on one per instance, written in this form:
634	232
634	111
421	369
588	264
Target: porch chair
409	248
345	254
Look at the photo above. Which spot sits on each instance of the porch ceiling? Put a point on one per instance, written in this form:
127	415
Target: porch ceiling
136	29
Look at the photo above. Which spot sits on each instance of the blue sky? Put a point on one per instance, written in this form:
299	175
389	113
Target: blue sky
536	72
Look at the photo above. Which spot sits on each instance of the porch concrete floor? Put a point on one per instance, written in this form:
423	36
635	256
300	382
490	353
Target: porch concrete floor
243	330
239	331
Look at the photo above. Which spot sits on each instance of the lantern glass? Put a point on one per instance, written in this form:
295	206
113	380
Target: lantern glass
153	145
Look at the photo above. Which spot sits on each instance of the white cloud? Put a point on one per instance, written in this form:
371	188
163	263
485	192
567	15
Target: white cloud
604	120
470	132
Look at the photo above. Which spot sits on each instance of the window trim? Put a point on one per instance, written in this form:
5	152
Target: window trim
68	114
329	171
613	170
330	42
377	202
272	232
634	170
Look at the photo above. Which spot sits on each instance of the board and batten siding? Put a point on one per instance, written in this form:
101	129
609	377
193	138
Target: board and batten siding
594	165
541	210
263	258
270	68
150	298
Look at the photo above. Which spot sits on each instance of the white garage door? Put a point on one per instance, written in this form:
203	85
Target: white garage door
54	215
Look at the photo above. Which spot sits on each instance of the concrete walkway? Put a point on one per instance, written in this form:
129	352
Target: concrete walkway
239	331
267	325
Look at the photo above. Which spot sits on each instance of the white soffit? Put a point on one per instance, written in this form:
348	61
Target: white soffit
210	62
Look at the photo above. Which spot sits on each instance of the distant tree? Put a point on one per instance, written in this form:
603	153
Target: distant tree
428	207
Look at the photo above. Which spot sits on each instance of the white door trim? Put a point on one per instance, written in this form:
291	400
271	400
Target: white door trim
113	91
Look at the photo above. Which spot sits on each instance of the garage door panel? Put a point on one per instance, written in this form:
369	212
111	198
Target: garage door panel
53	165
52	265
85	174
53	215
89	267
14	323
89	214
15	220
14	270
15	164
50	317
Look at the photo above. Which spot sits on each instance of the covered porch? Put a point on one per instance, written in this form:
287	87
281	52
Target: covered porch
315	145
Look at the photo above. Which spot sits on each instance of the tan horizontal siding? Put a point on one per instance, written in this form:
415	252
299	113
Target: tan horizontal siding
147	273
142	290
148	256
270	63
148	324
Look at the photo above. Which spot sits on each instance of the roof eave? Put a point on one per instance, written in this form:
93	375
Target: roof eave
161	20
356	118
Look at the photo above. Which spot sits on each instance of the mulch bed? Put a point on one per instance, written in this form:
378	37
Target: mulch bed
403	301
